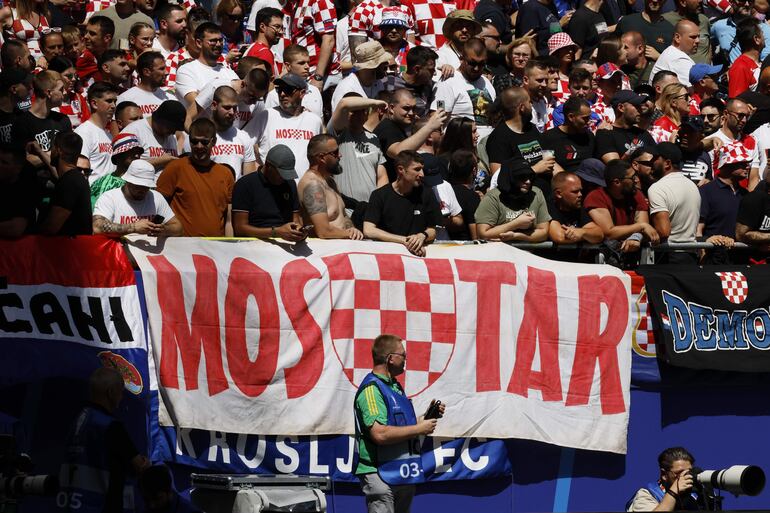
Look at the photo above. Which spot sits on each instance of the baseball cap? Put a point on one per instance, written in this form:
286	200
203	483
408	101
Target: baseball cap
693	122
283	159
645	90
432	170
558	41
734	153
292	80
123	143
699	71
608	69
172	113
626	96
670	151
140	172
394	15
13	76
371	55
592	170
516	166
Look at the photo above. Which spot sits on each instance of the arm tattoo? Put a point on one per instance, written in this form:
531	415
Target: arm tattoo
314	199
108	226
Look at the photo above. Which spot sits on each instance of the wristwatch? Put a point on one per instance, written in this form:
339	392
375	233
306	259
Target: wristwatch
318	78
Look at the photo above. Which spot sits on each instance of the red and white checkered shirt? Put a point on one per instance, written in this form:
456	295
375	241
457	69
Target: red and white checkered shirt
429	16
94	6
76	109
365	20
23	30
662	129
562	91
312	19
602	109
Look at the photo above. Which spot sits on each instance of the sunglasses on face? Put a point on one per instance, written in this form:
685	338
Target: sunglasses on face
286	90
195	141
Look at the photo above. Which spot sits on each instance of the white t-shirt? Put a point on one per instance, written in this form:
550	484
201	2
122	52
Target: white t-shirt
97	146
194	75
312	100
674	59
147	101
449	206
114	206
446	55
351	84
676	194
159	48
233	147
251	24
467	99
152	146
762	136
341	38
273	126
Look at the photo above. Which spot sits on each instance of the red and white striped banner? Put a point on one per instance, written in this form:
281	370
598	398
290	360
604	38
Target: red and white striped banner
273	338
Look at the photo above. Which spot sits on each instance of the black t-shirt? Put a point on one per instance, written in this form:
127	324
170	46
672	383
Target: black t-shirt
754	211
403	215
29	127
577	218
658	34
504	144
490	11
389	133
469	202
569	149
73	193
585	27
538	17
268	205
696	166
18	199
621	140
7	120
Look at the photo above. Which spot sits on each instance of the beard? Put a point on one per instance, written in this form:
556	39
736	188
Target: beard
335	169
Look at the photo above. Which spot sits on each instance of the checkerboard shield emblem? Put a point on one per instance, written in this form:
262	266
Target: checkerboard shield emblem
413	298
735	286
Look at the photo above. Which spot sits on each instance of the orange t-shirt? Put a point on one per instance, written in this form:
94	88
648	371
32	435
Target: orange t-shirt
198	198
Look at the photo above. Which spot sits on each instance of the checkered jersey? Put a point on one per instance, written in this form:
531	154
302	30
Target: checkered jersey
76	109
23	30
429	17
311	19
602	109
412	298
366	18
562	90
94	6
662	129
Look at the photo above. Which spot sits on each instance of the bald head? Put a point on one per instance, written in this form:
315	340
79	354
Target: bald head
511	99
686	36
105	388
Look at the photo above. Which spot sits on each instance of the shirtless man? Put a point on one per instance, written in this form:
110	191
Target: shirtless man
322	205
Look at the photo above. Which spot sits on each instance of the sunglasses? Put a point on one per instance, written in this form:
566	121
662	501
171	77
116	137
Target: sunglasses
195	141
476	64
286	90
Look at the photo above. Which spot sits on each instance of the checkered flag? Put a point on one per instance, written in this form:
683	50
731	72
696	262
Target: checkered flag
735	286
410	297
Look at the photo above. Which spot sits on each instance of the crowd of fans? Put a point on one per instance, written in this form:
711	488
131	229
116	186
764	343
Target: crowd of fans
611	122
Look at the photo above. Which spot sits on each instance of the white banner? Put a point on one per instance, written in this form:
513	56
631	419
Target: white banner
273	338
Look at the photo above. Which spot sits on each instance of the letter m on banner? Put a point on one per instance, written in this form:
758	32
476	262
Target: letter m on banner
413	298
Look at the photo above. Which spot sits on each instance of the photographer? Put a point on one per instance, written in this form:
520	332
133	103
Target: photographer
673	490
388	431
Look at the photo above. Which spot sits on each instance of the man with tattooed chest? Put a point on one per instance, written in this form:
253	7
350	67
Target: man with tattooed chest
322	204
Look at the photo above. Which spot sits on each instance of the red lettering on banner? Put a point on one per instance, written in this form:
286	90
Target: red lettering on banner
489	278
302	377
247	279
591	345
180	337
539	326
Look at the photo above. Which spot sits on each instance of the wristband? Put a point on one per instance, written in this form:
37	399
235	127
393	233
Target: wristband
272	231
426	234
672	494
